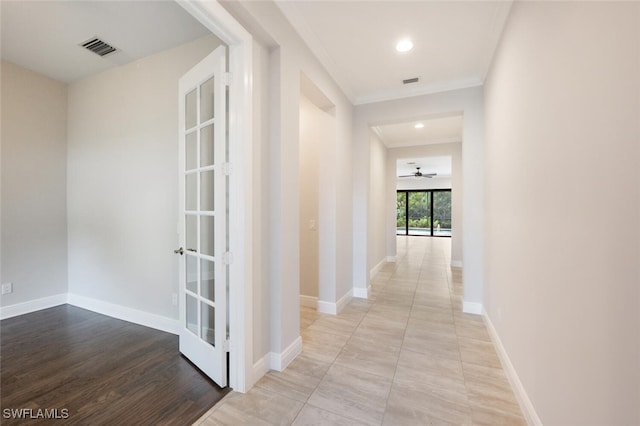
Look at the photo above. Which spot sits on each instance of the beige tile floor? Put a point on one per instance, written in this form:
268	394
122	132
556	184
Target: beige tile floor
406	356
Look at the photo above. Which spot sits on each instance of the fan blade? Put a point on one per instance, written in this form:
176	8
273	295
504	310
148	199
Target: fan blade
429	175
407	176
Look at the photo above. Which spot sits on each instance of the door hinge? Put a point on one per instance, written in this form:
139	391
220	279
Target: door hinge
227	169
227	258
227	78
226	345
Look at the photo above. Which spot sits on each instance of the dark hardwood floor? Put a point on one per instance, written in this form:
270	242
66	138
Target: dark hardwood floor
102	370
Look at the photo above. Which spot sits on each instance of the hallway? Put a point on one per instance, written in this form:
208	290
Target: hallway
406	356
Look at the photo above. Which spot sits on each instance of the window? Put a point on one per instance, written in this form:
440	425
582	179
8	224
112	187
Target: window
424	212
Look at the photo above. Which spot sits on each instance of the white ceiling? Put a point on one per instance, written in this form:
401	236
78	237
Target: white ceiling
453	41
436	130
439	165
355	40
44	35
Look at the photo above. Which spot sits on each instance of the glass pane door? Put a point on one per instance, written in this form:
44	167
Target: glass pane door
442	213
419	212
401	213
200	211
203	190
423	212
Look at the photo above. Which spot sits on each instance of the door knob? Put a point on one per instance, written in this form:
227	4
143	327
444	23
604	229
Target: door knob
179	251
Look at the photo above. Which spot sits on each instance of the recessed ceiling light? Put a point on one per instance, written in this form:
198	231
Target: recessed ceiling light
419	126
404	45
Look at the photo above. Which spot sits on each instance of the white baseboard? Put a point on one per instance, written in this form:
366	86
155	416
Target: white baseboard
135	316
335	308
456	263
326	307
260	368
309	301
344	301
376	269
115	311
10	311
280	361
526	405
362	293
472	308
391	258
275	361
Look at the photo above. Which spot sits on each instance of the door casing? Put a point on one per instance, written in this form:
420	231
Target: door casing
240	44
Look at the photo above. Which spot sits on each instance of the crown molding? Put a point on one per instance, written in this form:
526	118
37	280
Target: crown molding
420	142
498	22
409	92
309	37
291	12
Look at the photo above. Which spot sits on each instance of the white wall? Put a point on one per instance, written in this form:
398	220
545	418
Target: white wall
261	204
289	58
453	150
122	181
563	207
310	144
317	196
34	194
377	210
466	101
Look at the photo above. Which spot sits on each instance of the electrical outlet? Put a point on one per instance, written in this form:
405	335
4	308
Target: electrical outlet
7	288
174	299
312	225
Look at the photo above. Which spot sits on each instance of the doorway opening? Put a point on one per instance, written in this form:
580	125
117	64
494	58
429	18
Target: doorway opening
424	212
317	141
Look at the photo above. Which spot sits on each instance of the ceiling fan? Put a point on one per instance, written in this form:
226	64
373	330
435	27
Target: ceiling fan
419	174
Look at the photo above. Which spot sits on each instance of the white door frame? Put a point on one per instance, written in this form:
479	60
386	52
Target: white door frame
240	43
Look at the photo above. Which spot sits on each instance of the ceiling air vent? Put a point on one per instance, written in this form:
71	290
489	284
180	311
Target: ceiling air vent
411	80
98	46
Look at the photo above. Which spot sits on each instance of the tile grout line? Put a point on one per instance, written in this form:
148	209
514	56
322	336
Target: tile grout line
306	402
395	370
392	288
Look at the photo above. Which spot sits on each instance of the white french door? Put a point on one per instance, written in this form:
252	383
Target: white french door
203	216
